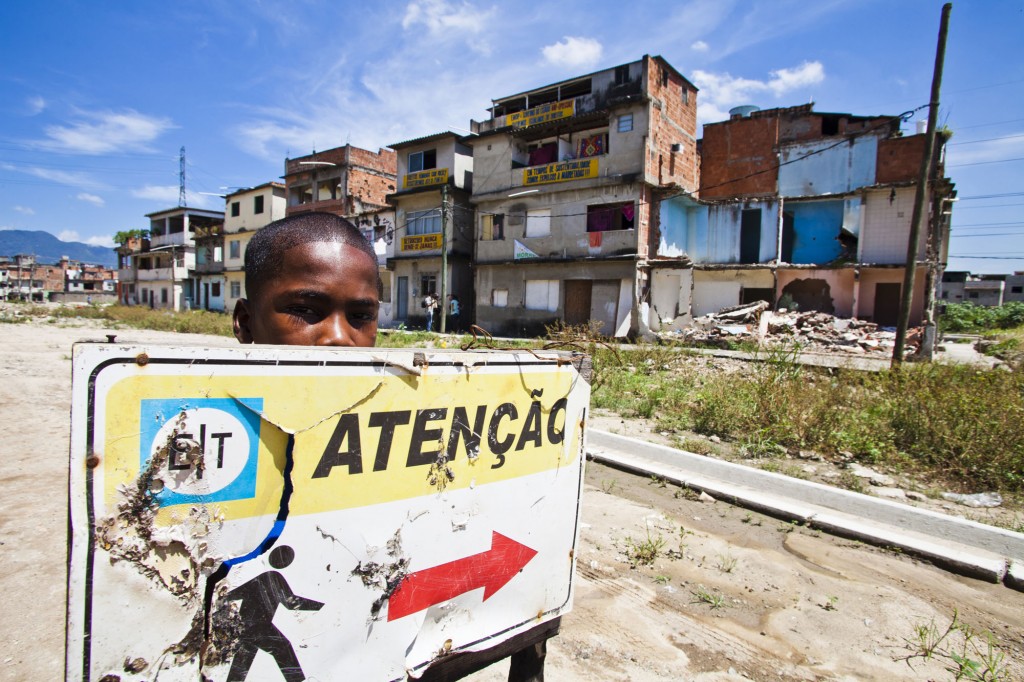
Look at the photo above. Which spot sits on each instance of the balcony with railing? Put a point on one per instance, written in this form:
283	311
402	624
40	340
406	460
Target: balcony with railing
157	274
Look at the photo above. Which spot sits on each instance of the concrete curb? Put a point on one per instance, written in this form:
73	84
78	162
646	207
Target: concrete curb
960	546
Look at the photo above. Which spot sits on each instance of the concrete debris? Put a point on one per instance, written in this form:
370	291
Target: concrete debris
814	331
976	500
876	478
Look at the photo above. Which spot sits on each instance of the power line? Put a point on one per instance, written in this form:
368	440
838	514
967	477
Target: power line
992	196
986	125
985	163
993	234
969	208
988	139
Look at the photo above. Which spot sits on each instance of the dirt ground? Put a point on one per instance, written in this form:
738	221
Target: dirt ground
730	594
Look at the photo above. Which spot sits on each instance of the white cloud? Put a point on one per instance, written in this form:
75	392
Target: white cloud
74	179
699	46
104	132
91	199
105	240
721	91
786	80
573	51
36	105
25	210
167	195
440	17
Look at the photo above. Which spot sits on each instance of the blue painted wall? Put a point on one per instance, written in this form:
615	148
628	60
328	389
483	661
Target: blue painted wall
711	234
817	225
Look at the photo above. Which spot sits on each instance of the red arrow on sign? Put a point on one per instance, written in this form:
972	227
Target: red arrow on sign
489	570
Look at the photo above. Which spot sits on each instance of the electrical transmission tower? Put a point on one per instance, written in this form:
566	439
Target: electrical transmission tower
181	178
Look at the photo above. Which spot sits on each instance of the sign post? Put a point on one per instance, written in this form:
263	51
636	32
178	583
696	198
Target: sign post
272	513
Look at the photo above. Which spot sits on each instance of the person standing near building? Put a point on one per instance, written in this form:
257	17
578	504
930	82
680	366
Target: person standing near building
453	311
429	306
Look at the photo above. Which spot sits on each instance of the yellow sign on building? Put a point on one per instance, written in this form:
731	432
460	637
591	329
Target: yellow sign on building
425	178
542	114
421	242
560	172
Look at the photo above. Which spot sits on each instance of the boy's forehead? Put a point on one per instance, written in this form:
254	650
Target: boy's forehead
323	254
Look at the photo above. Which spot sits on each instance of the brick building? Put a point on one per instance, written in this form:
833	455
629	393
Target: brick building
800	209
564	179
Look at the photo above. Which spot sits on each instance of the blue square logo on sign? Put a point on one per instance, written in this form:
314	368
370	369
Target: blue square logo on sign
205	449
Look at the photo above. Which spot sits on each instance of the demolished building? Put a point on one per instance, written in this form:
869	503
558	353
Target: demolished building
803	210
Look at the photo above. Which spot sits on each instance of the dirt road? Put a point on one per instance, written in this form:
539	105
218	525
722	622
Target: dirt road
729	595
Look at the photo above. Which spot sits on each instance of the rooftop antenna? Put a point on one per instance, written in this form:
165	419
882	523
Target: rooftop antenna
181	178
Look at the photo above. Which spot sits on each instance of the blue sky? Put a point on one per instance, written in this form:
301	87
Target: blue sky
97	98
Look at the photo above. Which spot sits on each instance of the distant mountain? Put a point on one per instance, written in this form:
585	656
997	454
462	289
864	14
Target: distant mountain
48	249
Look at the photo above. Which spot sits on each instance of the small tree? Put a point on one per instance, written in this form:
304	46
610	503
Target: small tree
122	237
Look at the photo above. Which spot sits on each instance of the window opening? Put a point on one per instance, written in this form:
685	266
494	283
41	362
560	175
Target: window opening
424	160
608	217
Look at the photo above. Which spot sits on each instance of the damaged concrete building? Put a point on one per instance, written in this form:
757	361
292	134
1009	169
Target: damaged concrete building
431	168
565	176
803	210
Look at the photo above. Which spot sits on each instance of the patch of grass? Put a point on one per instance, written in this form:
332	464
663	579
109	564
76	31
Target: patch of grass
643	552
702	595
965	653
726	563
960	424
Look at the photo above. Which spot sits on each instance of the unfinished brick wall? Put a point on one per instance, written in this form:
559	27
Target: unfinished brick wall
370	186
367	177
899	159
673	117
735	149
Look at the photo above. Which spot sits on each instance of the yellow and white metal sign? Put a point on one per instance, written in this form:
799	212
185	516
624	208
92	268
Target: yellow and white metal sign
268	513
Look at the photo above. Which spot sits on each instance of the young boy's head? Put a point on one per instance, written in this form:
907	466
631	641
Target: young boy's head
310	280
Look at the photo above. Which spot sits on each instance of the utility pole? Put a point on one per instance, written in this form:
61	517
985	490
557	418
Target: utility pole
919	196
443	307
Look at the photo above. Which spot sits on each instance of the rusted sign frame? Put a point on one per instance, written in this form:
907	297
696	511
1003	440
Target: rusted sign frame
87	454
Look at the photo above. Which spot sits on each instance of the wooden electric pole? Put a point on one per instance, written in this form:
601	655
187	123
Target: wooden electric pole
907	294
443	303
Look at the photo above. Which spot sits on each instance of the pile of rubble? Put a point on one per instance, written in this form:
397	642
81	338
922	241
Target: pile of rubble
813	331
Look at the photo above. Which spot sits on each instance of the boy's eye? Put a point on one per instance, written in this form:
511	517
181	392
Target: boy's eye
301	311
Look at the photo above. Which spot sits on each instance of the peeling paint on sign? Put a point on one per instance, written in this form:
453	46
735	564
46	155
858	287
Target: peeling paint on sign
238	513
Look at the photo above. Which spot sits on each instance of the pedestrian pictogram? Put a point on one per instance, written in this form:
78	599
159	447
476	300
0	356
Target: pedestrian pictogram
259	599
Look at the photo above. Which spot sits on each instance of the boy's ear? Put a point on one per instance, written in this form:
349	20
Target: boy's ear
240	320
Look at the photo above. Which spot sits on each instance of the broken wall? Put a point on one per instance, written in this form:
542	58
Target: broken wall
717	289
816	230
825	290
824	168
670	298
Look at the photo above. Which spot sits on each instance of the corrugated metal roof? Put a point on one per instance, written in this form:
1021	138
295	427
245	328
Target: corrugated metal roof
424	139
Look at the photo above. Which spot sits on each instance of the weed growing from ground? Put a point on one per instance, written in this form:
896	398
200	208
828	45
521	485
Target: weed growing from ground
702	595
644	552
965	653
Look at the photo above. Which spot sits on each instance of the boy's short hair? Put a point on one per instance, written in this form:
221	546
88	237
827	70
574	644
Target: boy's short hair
264	256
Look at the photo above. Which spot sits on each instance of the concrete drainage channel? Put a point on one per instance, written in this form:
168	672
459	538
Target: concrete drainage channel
957	545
